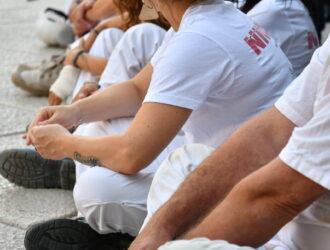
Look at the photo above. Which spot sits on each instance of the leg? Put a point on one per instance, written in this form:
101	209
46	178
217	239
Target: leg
172	172
201	244
110	201
132	53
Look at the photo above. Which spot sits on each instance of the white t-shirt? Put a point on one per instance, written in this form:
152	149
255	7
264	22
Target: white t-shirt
291	26
306	102
221	66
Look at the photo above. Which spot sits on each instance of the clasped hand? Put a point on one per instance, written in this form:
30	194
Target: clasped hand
48	132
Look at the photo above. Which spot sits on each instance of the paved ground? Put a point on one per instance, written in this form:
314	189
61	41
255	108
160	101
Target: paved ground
20	207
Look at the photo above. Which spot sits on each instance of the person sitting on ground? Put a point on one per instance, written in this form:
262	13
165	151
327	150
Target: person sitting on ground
37	79
272	174
200	73
87	61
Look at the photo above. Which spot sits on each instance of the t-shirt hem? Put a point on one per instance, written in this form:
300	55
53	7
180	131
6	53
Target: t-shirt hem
173	100
297	162
284	107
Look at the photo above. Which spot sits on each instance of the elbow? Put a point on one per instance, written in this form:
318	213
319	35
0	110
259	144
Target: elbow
127	162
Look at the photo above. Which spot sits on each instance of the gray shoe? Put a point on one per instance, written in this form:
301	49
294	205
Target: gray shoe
38	79
27	168
67	234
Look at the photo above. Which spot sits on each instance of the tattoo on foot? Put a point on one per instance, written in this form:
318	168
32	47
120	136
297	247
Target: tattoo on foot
89	160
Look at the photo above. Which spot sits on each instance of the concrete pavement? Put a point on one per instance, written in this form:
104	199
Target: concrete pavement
21	207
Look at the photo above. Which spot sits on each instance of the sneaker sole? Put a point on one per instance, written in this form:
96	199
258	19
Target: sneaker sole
28	169
19	82
66	234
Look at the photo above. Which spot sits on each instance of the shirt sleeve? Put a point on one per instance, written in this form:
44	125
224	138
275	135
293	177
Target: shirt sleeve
187	70
308	150
298	99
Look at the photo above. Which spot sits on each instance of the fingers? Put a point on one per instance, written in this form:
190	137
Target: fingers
53	99
43	114
85	91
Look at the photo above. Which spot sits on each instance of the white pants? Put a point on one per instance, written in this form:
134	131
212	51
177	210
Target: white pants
201	244
172	172
128	53
113	202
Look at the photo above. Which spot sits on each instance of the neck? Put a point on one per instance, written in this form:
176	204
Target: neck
174	12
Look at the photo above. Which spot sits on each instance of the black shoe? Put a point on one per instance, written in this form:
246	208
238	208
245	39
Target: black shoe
66	234
27	168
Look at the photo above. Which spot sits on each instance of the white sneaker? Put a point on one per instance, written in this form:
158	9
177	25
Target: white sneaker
38	79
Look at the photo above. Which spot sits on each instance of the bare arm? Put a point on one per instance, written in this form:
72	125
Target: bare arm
128	153
259	206
153	127
117	21
118	100
253	145
101	9
88	13
92	64
134	150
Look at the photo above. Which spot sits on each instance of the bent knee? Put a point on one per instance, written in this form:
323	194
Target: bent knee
186	158
201	243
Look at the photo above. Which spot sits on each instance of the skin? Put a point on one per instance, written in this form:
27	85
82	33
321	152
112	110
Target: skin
258	142
270	192
86	62
271	197
88	13
86	90
120	153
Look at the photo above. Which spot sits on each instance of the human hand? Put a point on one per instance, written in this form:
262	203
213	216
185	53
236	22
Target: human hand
53	99
49	140
86	90
67	116
77	17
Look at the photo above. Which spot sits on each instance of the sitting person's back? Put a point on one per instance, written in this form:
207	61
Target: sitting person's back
220	65
291	26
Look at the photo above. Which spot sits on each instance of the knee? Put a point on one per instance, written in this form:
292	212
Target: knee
145	34
175	168
92	188
112	33
187	158
145	29
201	243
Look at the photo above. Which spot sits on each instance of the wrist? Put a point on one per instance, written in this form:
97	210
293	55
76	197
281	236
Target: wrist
78	116
76	57
67	142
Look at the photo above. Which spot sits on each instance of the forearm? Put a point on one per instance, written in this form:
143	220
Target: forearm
118	100
92	64
117	21
135	149
244	152
242	220
107	151
257	208
101	9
